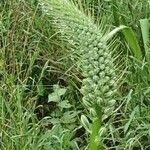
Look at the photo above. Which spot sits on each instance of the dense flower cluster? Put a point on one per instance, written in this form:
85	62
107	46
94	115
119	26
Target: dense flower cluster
98	69
96	63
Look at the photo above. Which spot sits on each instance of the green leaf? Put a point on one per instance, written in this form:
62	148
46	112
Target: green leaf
40	89
66	139
58	90
56	95
133	42
113	32
69	117
55	120
65	104
145	28
130	37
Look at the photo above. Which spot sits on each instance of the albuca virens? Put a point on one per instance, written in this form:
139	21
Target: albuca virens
96	62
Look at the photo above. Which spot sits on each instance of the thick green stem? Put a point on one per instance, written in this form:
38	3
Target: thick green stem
94	143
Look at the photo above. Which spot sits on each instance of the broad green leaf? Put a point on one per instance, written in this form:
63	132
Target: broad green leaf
133	42
58	90
130	37
56	95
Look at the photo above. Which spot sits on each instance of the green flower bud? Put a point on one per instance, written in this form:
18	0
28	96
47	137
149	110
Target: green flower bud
91	97
87	81
100	101
102	131
111	102
105	88
109	94
96	64
95	43
86	102
102	74
84	90
91	73
108	111
95	78
102	67
107	78
88	34
100	45
99	38
90	47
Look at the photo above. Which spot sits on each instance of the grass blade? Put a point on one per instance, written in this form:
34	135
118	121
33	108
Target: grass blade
145	27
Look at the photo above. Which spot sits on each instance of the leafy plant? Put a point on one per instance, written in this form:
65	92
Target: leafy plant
49	54
96	62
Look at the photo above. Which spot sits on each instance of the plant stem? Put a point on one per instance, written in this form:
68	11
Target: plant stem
94	144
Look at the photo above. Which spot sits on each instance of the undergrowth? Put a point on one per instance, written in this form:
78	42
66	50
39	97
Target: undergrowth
41	105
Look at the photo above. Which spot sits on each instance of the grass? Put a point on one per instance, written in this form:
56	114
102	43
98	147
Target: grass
40	100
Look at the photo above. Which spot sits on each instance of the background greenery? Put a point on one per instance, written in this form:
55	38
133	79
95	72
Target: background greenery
40	102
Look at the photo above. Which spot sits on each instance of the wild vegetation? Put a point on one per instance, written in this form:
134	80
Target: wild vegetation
74	75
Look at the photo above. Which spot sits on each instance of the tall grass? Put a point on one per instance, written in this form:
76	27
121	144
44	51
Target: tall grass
40	100
30	65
